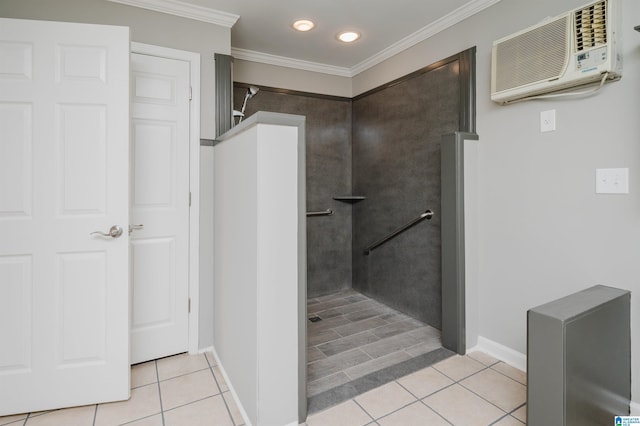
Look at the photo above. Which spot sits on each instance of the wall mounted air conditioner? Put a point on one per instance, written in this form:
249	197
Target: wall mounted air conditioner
572	49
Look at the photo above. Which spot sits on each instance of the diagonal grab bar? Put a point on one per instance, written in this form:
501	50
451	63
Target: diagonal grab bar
426	215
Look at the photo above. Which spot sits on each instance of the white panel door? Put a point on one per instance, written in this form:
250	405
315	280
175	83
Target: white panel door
64	154
159	202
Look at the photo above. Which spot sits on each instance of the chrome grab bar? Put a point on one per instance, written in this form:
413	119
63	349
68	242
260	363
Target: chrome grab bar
327	212
426	215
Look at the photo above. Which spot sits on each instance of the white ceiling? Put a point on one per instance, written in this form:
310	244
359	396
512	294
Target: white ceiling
263	31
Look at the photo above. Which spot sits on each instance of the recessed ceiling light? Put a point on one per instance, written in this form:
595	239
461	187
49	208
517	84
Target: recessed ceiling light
303	25
348	36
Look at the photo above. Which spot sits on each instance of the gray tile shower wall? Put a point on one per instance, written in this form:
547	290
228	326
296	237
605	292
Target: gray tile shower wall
396	165
328	136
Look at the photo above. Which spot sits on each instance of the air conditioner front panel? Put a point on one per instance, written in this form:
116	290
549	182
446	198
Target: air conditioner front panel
573	49
536	55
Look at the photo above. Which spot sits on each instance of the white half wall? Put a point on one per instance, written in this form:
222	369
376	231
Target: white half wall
205	338
258	209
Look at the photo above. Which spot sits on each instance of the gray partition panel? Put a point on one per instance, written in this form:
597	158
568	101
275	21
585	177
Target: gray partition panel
224	93
452	236
579	359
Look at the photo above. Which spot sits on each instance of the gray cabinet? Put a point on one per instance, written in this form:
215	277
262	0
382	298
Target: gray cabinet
579	359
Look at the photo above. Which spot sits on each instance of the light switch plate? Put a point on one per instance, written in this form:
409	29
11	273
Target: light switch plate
548	121
612	181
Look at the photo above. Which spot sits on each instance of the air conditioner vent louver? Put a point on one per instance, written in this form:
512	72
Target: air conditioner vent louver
535	56
591	26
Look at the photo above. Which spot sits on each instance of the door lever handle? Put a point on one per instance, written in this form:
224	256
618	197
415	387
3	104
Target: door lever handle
114	232
135	228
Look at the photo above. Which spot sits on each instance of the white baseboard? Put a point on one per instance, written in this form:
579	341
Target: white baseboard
207	349
635	408
501	352
245	417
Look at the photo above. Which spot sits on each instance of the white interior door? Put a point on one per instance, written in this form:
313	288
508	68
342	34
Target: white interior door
64	155
160	203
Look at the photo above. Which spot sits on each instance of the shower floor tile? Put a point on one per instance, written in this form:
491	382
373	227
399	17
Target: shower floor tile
358	336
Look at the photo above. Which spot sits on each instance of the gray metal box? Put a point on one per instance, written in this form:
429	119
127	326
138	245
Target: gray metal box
579	359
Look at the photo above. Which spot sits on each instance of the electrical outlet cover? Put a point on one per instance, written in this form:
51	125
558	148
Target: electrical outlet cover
548	121
612	181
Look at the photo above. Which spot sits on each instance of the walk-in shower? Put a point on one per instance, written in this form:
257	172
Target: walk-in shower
374	202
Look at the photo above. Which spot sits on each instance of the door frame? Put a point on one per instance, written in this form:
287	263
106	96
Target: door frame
194	177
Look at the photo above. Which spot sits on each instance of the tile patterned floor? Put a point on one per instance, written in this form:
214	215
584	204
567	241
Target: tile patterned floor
358	336
179	390
471	390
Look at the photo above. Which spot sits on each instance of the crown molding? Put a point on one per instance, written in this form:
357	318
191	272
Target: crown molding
185	10
282	61
447	21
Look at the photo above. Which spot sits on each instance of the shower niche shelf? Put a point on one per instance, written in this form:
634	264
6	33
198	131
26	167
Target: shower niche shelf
350	198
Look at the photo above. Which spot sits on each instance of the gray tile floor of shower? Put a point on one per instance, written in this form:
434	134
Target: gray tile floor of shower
358	337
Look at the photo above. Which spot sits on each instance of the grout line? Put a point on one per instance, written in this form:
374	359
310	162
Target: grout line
435	392
141	418
362	408
228	409
437	413
215	379
155	362
410	393
396	410
175	377
499	419
484	367
500	372
221	393
188	403
485	399
517	408
95	415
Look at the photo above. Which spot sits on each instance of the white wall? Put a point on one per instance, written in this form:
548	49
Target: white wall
293	79
236	265
256	250
542	232
161	30
206	247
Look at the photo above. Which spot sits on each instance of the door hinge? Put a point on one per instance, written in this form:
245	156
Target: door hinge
190	93
189	199
189	305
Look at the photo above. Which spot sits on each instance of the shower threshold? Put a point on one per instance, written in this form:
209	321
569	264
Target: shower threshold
355	344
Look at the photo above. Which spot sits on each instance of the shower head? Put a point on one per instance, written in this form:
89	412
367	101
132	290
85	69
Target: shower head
251	92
